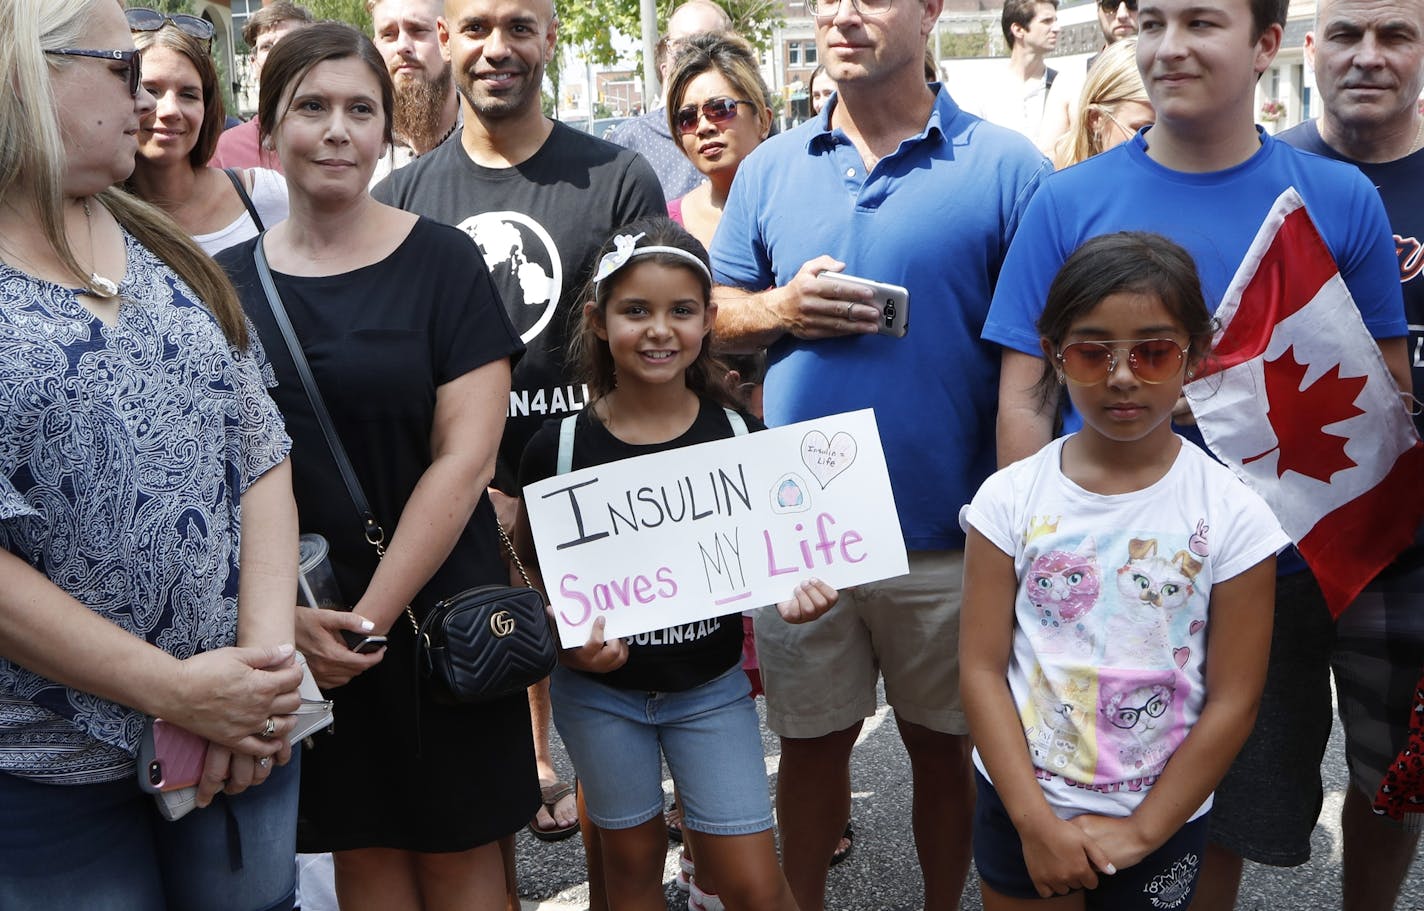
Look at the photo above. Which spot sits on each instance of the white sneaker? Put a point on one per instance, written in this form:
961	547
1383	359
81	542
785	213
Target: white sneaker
697	900
685	869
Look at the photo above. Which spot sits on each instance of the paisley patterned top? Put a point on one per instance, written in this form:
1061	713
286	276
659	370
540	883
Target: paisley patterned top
123	453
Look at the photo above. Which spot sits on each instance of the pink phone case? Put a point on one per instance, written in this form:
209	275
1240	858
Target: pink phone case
175	760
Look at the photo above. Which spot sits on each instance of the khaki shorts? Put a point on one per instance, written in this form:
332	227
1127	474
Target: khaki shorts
820	676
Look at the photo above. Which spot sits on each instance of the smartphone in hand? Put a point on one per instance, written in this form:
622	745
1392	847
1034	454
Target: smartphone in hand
362	644
893	302
170	764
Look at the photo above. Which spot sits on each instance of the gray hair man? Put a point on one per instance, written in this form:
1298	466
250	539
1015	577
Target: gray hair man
1368	58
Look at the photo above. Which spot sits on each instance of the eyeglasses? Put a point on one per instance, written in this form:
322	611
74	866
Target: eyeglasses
1153	360
1127	718
150	20
1126	130
716	110
827	8
1110	6
132	58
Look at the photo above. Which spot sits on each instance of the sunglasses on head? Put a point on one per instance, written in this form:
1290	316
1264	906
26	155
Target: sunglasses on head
150	20
1153	360
131	58
1110	6
716	110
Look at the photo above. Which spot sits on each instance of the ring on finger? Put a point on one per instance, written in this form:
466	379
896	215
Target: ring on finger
847	311
269	728
265	761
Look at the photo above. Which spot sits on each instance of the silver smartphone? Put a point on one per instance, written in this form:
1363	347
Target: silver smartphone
892	301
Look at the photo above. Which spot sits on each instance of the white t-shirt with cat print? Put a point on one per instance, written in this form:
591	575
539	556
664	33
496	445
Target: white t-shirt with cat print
1111	614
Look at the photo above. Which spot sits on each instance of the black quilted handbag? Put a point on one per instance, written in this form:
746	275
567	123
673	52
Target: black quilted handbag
485	643
481	644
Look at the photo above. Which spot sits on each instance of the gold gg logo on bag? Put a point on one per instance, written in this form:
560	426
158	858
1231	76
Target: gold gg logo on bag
501	624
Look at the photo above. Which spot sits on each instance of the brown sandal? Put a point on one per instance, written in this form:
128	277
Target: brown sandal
551	794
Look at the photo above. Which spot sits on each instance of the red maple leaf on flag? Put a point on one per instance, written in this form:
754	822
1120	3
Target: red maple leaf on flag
1299	417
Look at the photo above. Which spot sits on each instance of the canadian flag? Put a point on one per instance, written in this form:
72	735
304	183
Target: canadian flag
1297	400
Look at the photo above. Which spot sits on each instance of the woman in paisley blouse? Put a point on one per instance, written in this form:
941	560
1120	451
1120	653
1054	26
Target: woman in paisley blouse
140	461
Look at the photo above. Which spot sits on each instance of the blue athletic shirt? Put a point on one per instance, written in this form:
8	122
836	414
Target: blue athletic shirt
1215	216
935	216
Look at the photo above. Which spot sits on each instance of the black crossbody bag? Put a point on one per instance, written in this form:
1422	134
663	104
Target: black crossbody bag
479	645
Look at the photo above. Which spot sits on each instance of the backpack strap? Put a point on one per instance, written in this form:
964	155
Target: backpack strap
739	426
565	461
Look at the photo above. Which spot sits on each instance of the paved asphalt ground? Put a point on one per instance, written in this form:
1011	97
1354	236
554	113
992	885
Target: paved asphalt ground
882	875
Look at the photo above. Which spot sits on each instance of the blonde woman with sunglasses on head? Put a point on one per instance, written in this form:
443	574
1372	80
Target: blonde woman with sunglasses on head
177	138
141	463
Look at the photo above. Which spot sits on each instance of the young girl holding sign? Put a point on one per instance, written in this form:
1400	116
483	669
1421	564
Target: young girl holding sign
1100	573
620	706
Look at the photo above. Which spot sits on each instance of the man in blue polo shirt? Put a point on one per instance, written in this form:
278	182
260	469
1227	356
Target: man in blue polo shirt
1205	175
893	183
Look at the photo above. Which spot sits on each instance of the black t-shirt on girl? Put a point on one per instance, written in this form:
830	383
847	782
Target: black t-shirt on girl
680	657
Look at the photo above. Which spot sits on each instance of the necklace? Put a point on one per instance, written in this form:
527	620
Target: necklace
101	286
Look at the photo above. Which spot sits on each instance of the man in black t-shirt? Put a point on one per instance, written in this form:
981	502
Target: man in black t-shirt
539	198
1368	59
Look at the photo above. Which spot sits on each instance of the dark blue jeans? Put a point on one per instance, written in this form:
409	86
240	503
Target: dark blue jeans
103	847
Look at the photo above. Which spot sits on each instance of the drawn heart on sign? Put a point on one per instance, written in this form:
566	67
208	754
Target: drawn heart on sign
827	458
1195	627
1181	656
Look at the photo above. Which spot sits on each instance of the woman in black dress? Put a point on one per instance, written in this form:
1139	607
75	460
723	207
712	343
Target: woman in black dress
411	351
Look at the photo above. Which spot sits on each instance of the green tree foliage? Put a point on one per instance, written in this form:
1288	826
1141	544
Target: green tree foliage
589	25
966	40
352	11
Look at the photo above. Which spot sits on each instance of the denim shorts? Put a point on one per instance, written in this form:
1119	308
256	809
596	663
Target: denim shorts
103	847
709	735
1164	880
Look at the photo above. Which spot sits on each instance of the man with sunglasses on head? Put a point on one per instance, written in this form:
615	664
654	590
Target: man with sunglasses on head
854	191
647	134
240	147
1206	176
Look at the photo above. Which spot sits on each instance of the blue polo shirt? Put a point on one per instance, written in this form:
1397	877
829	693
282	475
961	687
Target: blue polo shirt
936	216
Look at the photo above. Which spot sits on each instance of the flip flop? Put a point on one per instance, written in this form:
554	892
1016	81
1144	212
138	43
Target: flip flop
551	794
849	838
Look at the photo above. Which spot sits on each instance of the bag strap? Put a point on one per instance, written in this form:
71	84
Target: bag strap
374	533
233	176
739	424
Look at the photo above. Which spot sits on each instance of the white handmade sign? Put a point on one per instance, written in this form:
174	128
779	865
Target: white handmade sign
689	534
